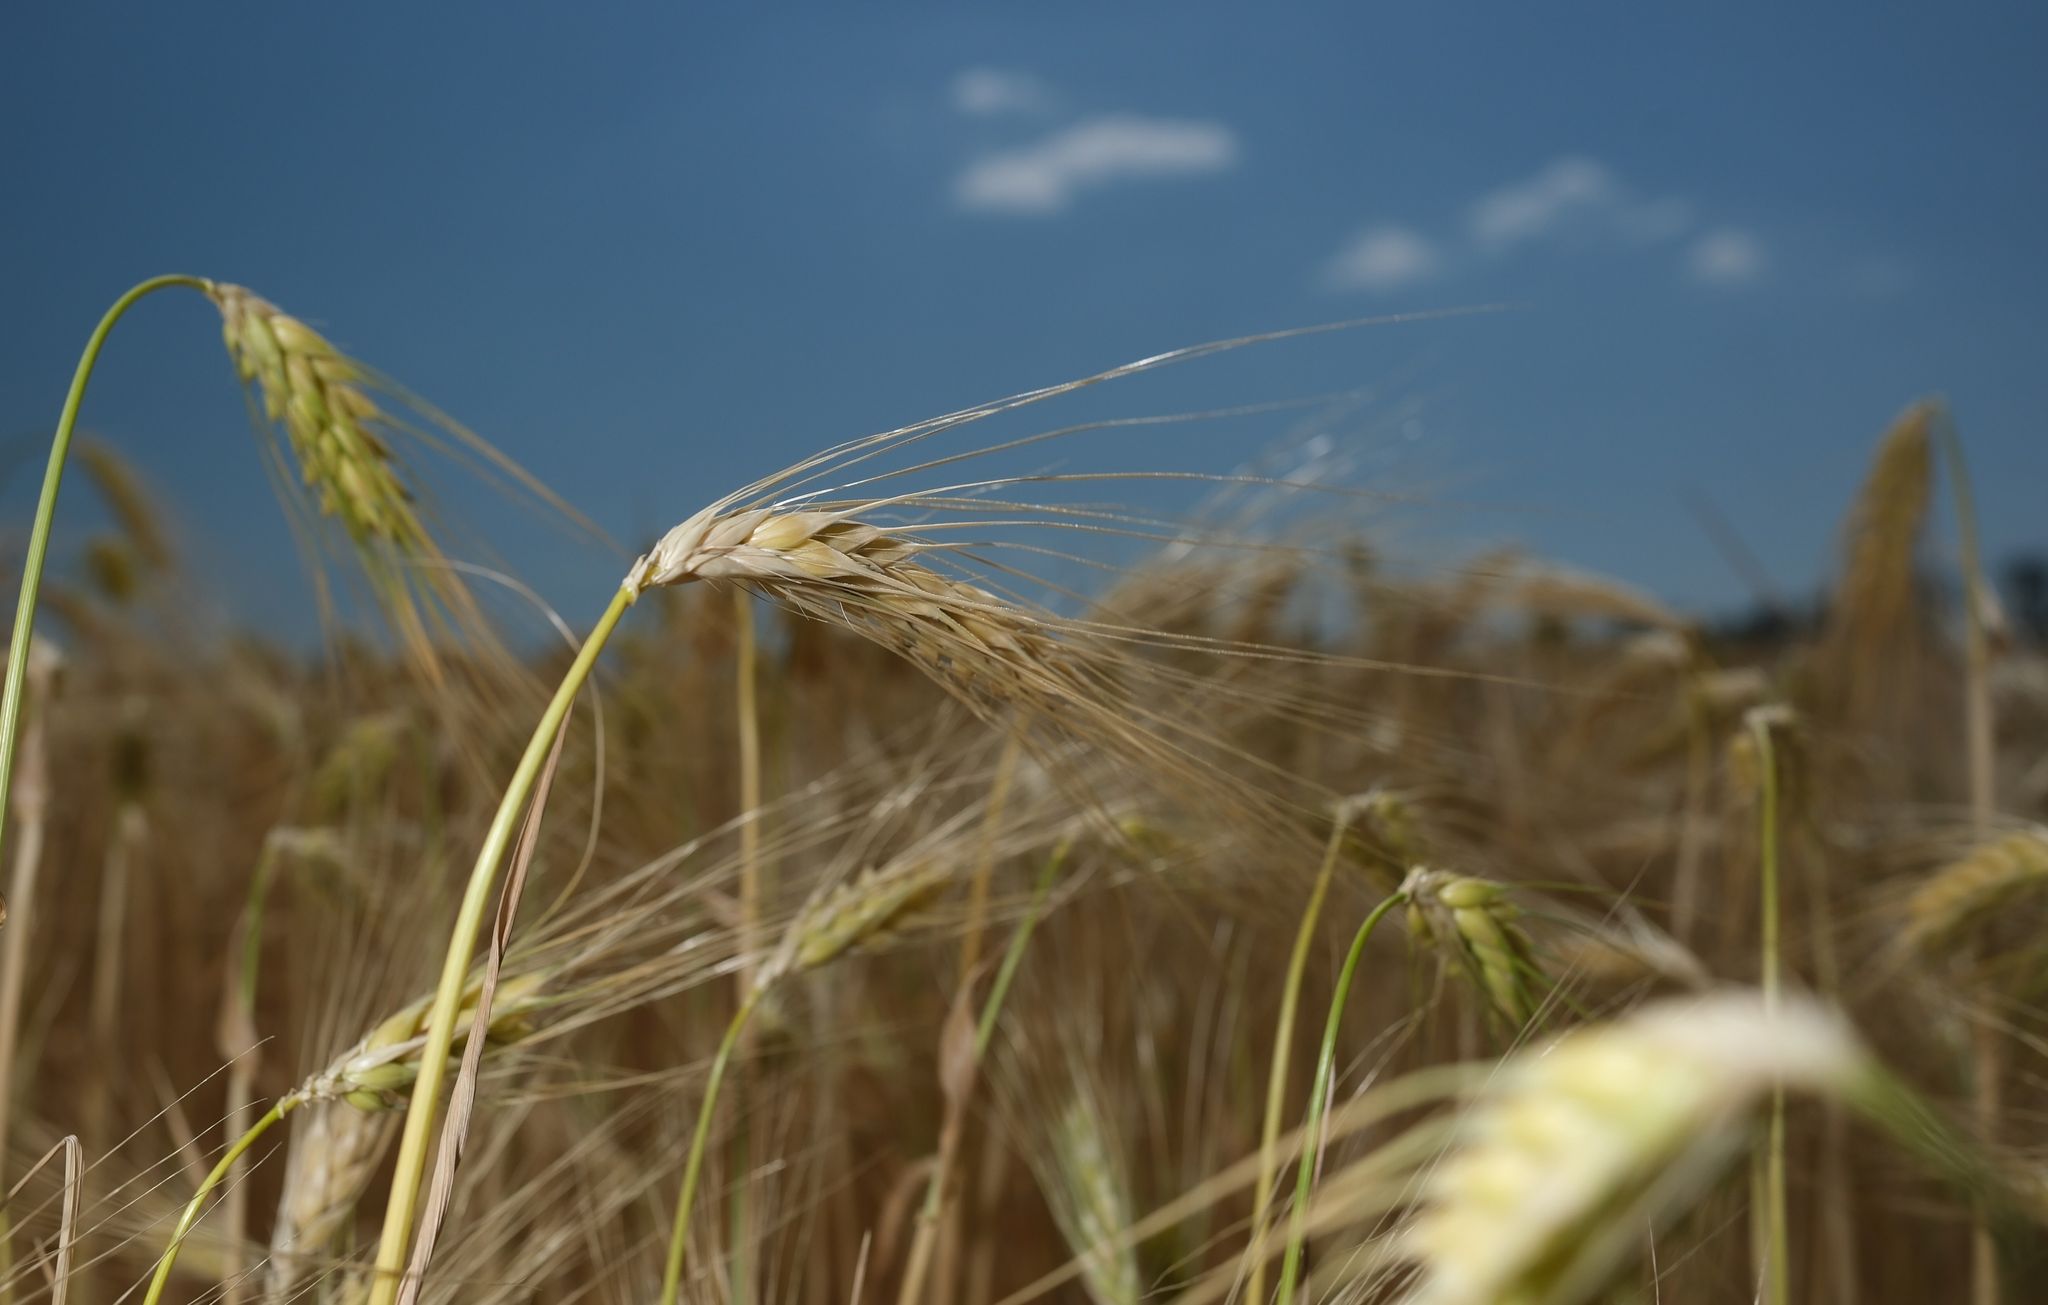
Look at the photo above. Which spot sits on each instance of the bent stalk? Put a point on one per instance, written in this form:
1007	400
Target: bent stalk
190	1216
1987	1049
1777	1276
1318	1095
1283	1042
939	1186
46	513
679	1236
426	1091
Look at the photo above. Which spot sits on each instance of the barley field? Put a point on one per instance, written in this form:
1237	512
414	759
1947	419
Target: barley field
936	874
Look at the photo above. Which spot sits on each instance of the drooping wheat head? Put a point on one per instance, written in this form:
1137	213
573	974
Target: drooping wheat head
343	442
1574	1147
1474	922
1559	593
318	398
1952	900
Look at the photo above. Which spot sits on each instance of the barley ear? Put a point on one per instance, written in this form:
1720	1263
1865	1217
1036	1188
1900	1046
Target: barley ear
1574	1147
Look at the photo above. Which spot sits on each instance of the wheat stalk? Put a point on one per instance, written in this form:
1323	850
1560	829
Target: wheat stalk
1283	1041
32	799
1762	766
861	913
1318	1096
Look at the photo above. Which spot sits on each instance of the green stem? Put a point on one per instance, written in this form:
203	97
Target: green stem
1014	956
46	512
679	1236
1312	1127
426	1090
252	926
918	1263
746	674
1276	1078
190	1216
1988	1051
1977	722
1778	1274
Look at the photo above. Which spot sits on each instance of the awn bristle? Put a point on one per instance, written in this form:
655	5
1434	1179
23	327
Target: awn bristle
1573	1147
1966	891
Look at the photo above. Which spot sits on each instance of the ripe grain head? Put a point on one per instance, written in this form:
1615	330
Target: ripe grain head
1942	910
1573	1147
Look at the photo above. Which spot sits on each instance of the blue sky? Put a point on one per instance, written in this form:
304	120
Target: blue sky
656	250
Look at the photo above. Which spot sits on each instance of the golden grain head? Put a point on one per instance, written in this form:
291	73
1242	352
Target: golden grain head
837	569
1944	907
1562	594
1573	1149
1874	603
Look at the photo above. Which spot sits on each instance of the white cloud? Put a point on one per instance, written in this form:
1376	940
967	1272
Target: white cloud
1043	178
1725	256
987	92
1382	258
1573	203
1568	194
1529	209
